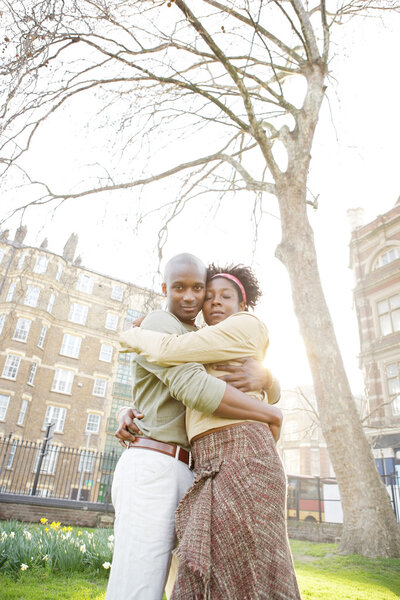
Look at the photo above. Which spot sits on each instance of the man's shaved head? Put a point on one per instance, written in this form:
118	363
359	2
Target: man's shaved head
181	260
185	286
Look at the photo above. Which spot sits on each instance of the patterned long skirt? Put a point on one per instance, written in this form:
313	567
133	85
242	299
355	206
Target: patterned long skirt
231	525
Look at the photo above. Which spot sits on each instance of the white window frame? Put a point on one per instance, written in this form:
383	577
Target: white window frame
49	462
42	336
22	412
22	329
93	423
106	352
85	283
2	322
4	402
86	462
386	317
21	260
78	313
41	264
117	292
57	415
63	381
100	387
59	272
11	366
50	305
11	291
32	373
32	296
11	456
385	258
71	345
111	321
394	397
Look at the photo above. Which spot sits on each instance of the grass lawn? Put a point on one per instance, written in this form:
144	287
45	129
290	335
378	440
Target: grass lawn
322	575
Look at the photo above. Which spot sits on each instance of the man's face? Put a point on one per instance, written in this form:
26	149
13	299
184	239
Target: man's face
185	290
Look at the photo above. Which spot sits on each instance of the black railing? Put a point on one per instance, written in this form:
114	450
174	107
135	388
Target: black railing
55	471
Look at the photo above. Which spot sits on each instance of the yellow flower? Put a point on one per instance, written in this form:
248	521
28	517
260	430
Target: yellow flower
64	529
79	532
55	526
46	529
69	528
44	521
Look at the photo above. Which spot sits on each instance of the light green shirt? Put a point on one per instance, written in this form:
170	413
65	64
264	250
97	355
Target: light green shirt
162	394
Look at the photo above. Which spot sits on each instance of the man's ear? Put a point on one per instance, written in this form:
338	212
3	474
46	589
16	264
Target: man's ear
164	289
242	306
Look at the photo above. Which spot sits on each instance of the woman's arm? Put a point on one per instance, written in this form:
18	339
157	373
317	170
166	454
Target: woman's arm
237	336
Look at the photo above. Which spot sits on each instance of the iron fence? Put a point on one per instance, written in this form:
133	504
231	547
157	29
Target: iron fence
47	470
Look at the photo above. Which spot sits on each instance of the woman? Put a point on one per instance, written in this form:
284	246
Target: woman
231	525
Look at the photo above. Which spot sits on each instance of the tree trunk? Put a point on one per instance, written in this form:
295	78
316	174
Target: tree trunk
370	527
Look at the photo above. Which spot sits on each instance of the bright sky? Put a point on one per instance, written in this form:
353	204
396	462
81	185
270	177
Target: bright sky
355	163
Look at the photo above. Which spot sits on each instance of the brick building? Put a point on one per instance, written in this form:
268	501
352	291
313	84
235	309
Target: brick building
375	260
302	446
59	360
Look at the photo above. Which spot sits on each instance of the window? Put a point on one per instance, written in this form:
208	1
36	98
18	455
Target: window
71	345
22	330
59	272
86	462
42	336
111	321
117	292
387	257
11	456
124	374
315	464
100	387
2	253
21	261
11	366
4	402
85	283
290	431
2	321
32	296
51	303
63	380
41	265
55	414
93	424
32	373
106	352
132	315
389	315
22	412
393	383
49	462
291	459
11	290
78	313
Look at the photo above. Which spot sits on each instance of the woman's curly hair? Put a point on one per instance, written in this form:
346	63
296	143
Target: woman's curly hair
245	276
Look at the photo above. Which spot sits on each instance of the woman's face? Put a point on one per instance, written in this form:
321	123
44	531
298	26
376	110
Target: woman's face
221	301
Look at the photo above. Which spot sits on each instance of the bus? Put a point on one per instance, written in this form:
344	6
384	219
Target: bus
313	499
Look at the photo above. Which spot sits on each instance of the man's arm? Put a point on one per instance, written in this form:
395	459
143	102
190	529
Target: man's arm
247	375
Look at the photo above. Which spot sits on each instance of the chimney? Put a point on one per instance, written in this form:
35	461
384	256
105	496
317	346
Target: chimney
20	234
356	218
70	247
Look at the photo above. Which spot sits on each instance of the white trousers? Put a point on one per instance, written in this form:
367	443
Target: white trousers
146	490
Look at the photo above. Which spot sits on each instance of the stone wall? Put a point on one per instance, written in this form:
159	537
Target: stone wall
314	532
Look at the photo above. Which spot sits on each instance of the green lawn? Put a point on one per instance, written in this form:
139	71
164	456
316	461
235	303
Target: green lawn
322	574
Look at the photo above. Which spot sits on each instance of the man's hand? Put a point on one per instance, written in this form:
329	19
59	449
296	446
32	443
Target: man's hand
246	375
127	427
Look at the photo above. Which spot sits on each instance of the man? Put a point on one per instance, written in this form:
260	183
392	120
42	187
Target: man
153	475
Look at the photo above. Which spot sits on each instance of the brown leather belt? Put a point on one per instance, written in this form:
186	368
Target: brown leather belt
169	449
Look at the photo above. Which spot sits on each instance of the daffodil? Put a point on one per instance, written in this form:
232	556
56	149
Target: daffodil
106	565
43	521
24	567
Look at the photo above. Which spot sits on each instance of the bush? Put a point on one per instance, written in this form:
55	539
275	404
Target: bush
54	547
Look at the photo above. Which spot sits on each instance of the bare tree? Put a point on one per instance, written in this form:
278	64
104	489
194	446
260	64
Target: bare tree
252	74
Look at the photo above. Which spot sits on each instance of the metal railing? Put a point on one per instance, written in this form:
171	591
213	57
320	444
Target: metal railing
47	470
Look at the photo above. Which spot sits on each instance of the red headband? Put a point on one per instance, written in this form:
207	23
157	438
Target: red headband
235	280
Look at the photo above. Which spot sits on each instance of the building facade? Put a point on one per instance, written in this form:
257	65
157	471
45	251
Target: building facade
59	349
375	260
302	445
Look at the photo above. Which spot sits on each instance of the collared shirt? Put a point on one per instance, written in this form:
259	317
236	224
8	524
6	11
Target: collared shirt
162	394
240	335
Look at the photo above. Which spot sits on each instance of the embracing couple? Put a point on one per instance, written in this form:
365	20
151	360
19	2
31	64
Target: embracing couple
201	470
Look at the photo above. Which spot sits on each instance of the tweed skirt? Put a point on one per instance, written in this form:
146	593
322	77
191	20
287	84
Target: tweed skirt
231	524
